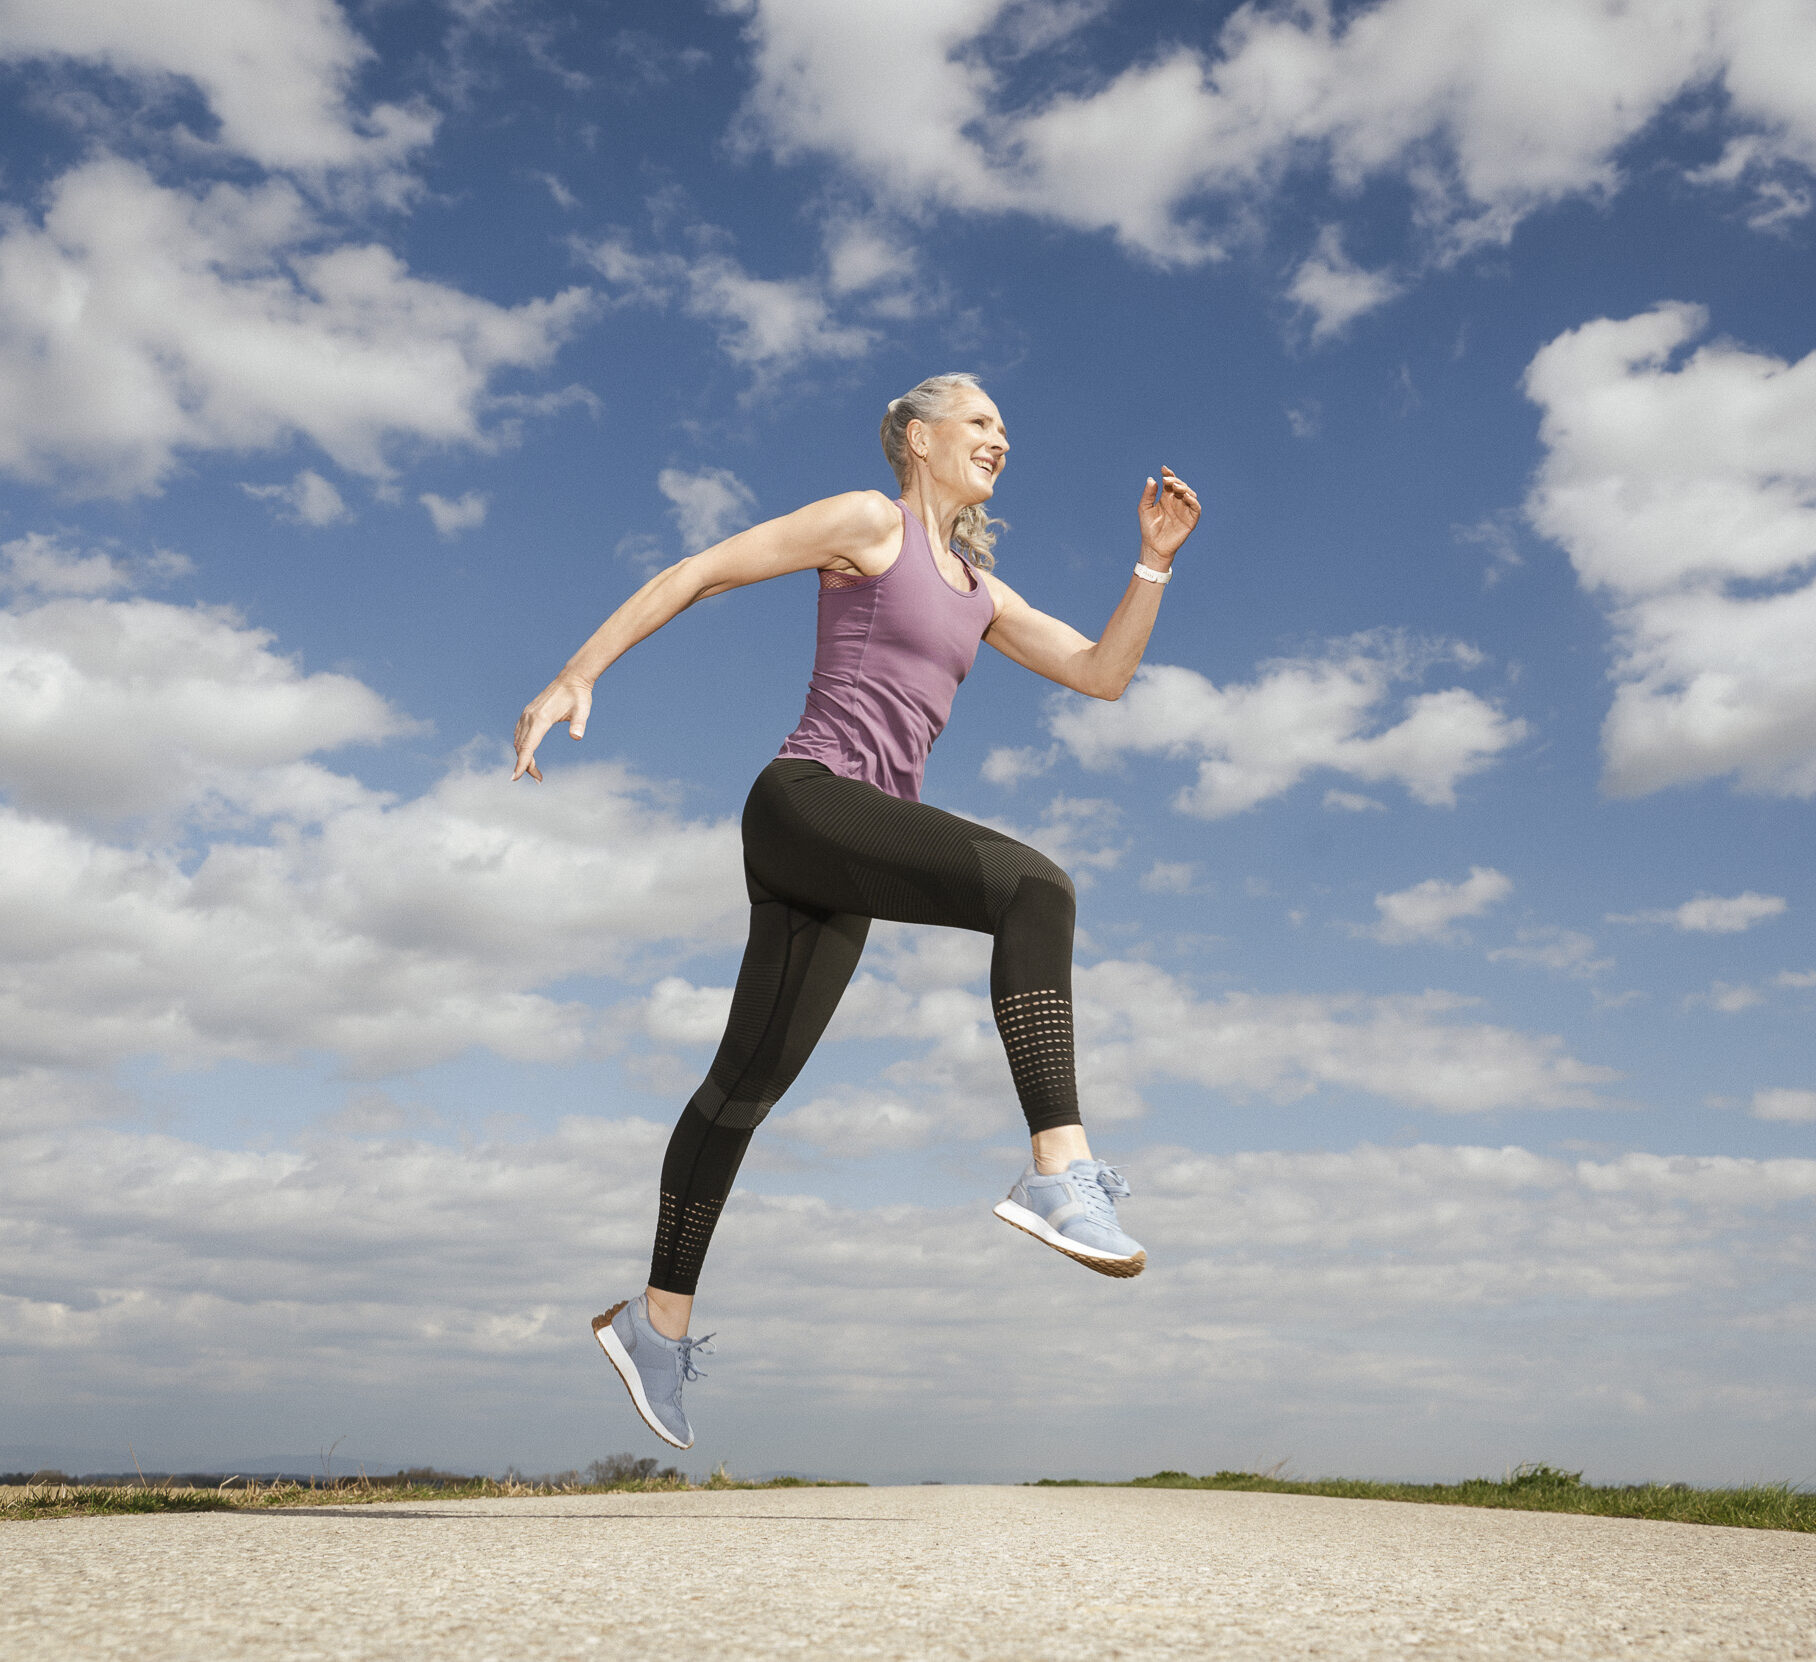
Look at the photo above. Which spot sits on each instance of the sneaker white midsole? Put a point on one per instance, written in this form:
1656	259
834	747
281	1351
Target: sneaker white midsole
1038	1226
620	1358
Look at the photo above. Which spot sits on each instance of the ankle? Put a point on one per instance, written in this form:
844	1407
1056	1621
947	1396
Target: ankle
669	1313
1057	1147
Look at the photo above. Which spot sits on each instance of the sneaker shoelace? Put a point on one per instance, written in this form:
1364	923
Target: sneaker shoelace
685	1355
1097	1194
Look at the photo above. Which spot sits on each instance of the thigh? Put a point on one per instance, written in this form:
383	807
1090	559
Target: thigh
835	843
797	964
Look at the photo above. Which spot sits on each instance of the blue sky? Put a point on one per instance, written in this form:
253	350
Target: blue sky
1445	958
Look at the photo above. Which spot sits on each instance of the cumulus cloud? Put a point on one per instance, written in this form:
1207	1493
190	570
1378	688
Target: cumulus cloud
1136	1022
275	74
1710	914
1169	877
308	499
1011	765
1334	291
182	876
1300	715
216	319
1729	997
218	1286
1798	1107
1486	111
764	324
708	506
1683	488
1427	911
119	708
41	564
1563	951
452	515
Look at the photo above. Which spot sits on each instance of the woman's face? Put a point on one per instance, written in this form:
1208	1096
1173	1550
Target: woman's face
964	448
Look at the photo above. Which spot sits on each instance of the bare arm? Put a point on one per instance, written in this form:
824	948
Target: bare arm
1104	667
854	532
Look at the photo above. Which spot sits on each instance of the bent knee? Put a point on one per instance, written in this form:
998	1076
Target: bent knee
1043	902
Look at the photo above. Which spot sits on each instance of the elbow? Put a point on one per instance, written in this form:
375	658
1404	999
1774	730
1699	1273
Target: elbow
685	578
1110	691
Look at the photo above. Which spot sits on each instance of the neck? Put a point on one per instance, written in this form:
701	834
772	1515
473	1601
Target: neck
931	506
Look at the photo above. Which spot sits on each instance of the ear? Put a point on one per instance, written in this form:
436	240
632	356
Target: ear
915	435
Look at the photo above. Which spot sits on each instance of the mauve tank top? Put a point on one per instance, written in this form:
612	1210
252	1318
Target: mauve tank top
890	655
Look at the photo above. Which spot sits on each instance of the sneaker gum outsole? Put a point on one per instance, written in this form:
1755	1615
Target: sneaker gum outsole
626	1370
1104	1263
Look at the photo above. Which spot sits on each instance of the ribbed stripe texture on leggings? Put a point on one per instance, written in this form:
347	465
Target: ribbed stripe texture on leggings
822	857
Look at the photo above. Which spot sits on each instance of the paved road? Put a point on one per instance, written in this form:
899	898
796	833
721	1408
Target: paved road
972	1573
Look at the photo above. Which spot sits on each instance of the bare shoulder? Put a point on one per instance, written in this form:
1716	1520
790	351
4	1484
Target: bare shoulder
858	530
852	516
1003	598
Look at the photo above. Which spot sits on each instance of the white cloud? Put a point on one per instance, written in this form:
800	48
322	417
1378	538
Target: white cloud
41	564
1305	418
1710	914
1301	715
863	1124
1426	911
1565	951
865	256
765	324
1486	111
1169	877
1795	978
1308	1285
139	322
310	499
1010	765
387	932
1730	998
120	708
676	1012
1352	802
1136	1023
275	74
1684	490
1334	290
708	506
1779	1104
1492	532
452	515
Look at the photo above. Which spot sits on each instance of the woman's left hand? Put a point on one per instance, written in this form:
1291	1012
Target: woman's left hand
1167	513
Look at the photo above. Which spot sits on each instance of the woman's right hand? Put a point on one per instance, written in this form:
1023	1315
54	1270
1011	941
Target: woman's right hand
566	698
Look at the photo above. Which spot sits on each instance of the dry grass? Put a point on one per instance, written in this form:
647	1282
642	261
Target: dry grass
78	1500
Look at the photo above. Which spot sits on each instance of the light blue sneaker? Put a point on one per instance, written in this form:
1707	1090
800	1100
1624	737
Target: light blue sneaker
1074	1212
653	1368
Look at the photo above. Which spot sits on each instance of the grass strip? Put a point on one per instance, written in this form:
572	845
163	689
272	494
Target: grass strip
74	1500
1536	1488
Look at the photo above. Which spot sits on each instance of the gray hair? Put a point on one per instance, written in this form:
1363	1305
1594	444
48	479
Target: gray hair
972	536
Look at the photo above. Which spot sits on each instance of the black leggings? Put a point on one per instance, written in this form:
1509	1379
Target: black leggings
822	857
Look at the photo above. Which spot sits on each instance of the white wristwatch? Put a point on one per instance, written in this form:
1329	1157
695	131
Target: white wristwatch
1151	575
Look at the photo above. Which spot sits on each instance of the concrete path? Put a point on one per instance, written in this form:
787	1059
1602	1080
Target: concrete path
973	1573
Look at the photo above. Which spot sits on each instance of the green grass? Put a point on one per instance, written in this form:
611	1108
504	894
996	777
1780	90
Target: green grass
1527	1489
75	1500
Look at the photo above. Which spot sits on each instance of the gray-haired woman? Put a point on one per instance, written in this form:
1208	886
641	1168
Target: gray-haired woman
835	833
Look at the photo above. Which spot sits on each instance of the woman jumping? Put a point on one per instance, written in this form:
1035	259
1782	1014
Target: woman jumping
835	833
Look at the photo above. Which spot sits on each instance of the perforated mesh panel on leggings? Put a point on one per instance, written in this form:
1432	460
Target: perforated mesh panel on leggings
822	857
